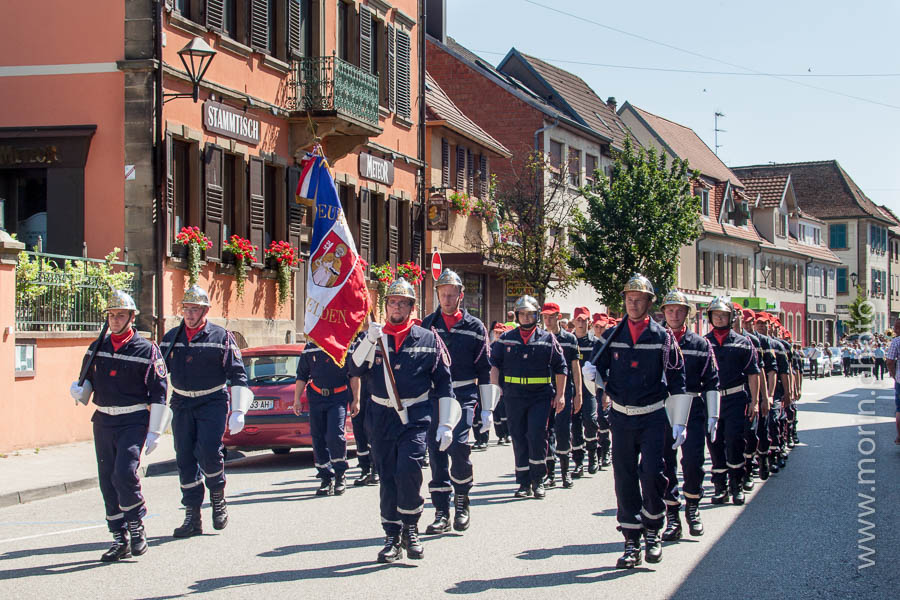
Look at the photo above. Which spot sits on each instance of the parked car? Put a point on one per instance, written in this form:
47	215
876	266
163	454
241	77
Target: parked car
271	422
837	365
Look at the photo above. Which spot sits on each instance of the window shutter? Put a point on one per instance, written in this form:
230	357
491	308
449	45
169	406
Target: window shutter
483	178
365	39
403	73
295	28
445	163
259	25
215	14
391	68
295	211
365	225
393	231
470	172
747	273
170	194
257	206
460	169
215	192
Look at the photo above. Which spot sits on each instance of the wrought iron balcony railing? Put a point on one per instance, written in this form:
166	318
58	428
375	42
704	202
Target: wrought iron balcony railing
327	83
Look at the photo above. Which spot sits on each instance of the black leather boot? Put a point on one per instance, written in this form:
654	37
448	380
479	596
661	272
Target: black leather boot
692	516
578	472
340	485
605	459
631	558
564	468
120	548
411	543
538	490
374	479
763	467
138	537
392	550
737	491
441	523
326	488
773	463
673	525
550	479
461	516
592	461
748	483
193	523
363	478
720	495
652	545
524	491
219	509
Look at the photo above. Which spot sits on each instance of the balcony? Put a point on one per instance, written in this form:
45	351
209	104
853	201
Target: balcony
331	99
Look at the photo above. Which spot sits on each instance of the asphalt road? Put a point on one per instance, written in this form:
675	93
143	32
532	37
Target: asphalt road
797	537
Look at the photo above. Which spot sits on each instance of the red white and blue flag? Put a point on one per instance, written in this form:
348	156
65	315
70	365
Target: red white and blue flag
337	300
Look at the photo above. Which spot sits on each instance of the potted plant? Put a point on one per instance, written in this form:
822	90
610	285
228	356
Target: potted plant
195	242
486	209
411	272
383	275
285	257
243	252
460	203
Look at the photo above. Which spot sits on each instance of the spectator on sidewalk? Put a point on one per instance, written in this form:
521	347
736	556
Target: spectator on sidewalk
880	365
892	354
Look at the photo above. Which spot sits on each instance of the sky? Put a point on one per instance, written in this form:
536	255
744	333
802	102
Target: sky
767	118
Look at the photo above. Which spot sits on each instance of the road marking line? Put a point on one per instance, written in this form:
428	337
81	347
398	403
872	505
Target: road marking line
845	395
37	535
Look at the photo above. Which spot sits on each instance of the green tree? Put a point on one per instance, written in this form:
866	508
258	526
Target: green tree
862	314
637	221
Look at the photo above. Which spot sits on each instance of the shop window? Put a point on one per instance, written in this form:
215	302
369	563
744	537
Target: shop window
473	300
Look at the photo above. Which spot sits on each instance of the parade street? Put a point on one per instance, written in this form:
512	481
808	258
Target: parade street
800	528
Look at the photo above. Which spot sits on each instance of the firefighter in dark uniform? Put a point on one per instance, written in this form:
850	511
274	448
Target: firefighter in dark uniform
530	364
797	367
501	427
203	362
781	400
601	323
560	433
327	388
421	365
702	382
467	342
778	375
368	474
584	421
757	445
739	382
642	372
128	382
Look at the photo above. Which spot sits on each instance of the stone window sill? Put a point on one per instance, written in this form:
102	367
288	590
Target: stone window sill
231	45
179	22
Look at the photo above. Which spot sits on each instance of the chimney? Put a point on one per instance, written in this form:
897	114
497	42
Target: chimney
436	19
611	103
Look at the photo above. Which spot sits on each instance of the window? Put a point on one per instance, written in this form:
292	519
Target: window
344	35
470	173
574	167
841	282
720	270
837	236
25	358
791	278
275	204
183	182
590	165
229	18
704	202
707	269
460	169
556	154
782	224
746	273
403	77
817	236
231	200
732	272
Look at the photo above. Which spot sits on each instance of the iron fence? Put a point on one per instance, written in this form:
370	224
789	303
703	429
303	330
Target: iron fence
326	83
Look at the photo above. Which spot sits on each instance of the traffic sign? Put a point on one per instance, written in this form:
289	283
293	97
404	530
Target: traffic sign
436	265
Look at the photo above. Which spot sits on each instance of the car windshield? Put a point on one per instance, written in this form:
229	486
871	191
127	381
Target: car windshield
271	369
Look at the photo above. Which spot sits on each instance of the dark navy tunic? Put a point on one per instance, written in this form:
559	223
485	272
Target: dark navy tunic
586	346
316	367
467	343
210	360
540	359
701	371
569	344
736	359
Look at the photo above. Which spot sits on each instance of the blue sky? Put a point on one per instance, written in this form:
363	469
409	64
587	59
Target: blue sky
766	118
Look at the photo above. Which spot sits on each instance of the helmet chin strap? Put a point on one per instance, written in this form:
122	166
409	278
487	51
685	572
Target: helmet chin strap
722	328
126	327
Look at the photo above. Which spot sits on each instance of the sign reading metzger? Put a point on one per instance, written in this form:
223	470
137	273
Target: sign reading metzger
376	169
230	122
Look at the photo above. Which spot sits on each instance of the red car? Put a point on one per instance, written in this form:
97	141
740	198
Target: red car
271	422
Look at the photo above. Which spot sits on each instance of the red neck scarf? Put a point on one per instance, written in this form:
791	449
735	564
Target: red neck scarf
680	333
120	339
451	320
721	335
526	335
398	331
192	332
637	328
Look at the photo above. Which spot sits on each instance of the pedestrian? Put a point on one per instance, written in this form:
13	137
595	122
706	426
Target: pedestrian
702	383
465	337
410	368
892	356
327	385
584	421
528	363
846	358
880	365
641	369
203	360
127	379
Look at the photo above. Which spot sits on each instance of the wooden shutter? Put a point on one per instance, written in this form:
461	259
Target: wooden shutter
393	231
445	163
295	214
259	25
483	177
392	68
403	73
365	225
170	194
365	39
215	14
214	196
296	18
470	172
460	169
257	206
746	273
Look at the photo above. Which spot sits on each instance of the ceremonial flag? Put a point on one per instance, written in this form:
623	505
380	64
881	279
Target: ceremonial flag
337	300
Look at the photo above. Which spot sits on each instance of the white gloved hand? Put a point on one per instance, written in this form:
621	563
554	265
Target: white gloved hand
76	391
712	422
444	436
589	371
487	419
679	433
235	422
374	332
151	442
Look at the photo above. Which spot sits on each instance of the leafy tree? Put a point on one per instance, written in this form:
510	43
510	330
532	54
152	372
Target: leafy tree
862	314
637	221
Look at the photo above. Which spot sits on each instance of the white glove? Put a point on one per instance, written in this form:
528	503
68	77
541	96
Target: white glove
76	391
712	422
444	436
81	393
235	422
374	332
680	434
589	371
487	419
151	442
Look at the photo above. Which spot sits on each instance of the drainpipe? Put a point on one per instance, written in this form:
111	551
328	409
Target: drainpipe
421	141
806	299
537	134
756	253
159	174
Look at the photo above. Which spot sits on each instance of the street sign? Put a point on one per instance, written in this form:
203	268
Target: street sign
436	265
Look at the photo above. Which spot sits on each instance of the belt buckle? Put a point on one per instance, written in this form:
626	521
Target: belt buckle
325	391
630	411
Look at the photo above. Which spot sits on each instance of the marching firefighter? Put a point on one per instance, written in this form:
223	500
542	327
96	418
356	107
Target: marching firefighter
501	428
368	474
466	340
530	364
327	388
641	369
601	322
778	376
127	378
757	440
203	360
739	384
702	383
584	421
409	381
560	432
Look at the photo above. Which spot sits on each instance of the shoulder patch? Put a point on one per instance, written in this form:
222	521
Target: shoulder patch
160	368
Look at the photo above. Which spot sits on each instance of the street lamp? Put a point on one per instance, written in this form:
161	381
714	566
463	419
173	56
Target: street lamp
196	58
853	278
766	271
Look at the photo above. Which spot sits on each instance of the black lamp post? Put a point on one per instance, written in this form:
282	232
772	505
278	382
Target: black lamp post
853	278
196	57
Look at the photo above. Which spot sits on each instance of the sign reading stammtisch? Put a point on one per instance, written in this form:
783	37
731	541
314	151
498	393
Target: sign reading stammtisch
230	122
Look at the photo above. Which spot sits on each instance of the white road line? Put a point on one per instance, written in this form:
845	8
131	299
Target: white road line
845	395
885	397
37	535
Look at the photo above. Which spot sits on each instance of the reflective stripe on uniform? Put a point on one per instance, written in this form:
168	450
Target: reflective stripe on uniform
124	508
197	393
633	411
137	359
461	481
459	384
411	511
536	462
447	489
526	380
649	516
186	486
114	517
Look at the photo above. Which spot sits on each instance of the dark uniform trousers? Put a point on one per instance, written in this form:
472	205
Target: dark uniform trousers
584	428
559	434
458	477
776	424
637	445
727	452
477	423
118	448
361	434
762	432
692	451
527	416
501	425
327	417
198	426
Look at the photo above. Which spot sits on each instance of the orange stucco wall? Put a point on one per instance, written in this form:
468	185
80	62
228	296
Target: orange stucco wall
259	301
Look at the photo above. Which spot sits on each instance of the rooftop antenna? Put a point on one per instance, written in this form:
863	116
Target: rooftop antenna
717	130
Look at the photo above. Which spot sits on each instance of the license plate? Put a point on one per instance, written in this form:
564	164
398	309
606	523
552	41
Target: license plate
262	405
